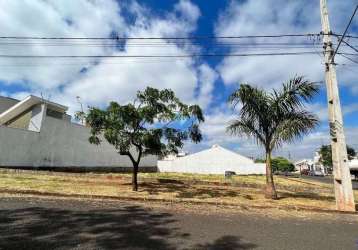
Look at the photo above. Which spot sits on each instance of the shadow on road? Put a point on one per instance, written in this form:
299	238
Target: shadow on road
128	227
224	243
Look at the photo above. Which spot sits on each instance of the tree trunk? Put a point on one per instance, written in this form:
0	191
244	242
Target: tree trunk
270	191
134	177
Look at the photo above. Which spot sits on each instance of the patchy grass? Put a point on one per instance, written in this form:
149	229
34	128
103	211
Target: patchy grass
239	190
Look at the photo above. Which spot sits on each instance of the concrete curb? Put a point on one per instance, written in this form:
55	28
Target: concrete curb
177	201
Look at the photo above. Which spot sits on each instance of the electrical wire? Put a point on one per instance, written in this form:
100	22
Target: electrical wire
345	32
160	56
157	38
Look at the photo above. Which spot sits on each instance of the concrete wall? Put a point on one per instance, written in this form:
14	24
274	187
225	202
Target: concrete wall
37	116
209	167
59	144
213	161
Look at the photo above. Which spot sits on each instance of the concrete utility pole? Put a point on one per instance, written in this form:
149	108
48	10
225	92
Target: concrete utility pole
342	178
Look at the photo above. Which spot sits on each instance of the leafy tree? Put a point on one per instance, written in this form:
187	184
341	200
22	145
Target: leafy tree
326	154
155	123
273	118
282	164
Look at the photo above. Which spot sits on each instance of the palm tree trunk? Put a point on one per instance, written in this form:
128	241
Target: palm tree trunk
134	177
270	191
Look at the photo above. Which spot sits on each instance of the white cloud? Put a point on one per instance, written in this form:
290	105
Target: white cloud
53	18
278	17
106	79
207	78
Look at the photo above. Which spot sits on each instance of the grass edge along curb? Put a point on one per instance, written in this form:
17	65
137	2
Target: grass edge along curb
121	198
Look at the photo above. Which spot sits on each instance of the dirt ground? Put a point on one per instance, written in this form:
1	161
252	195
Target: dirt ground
244	191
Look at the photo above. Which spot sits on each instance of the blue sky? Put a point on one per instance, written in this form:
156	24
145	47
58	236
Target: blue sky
206	81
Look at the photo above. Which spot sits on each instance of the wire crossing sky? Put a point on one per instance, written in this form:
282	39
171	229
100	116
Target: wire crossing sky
107	50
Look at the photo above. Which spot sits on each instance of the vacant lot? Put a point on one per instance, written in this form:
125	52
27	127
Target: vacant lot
240	190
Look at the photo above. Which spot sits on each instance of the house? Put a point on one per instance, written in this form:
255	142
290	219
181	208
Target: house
313	167
215	160
39	133
303	165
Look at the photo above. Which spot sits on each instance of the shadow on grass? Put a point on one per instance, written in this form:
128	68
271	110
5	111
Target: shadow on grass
188	191
307	195
80	227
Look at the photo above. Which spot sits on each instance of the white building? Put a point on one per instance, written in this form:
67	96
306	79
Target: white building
314	167
38	133
353	166
215	160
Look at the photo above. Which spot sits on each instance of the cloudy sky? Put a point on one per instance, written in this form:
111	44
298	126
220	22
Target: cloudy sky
202	80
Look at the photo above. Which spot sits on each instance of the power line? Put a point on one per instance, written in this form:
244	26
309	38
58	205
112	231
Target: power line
345	32
157	38
113	44
352	47
350	59
348	36
160	56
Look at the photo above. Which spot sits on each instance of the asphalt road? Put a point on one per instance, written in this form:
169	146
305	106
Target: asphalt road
327	179
31	223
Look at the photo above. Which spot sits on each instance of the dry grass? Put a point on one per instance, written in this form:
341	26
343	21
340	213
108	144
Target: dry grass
240	190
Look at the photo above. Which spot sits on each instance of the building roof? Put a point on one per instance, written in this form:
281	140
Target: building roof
27	103
303	161
220	152
6	103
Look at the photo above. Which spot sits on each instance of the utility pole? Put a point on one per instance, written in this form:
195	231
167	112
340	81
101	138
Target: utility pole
79	101
342	178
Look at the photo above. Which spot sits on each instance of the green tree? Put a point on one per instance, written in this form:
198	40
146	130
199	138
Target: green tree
326	154
273	118
282	164
155	123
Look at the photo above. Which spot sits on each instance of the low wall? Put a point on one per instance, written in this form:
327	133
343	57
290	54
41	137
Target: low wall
75	169
213	166
59	144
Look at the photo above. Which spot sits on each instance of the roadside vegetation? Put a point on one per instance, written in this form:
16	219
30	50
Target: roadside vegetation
242	191
273	118
146	126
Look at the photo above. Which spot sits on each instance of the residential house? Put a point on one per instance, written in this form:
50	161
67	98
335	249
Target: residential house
39	133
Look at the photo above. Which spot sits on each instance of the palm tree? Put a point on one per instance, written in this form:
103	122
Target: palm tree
273	118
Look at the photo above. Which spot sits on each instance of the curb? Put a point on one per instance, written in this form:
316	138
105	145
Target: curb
177	201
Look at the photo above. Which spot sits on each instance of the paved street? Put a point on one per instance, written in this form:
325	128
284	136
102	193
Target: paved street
31	223
327	179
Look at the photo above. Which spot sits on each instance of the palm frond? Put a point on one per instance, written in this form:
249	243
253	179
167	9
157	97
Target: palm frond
246	128
294	125
294	93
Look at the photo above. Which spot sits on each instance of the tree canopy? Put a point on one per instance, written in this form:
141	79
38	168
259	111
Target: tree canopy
155	123
282	164
326	154
279	164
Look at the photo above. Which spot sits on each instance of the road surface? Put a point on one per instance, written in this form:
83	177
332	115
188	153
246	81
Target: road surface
34	223
327	179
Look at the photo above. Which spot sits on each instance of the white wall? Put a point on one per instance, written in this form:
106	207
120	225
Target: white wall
216	160
37	116
59	144
210	167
